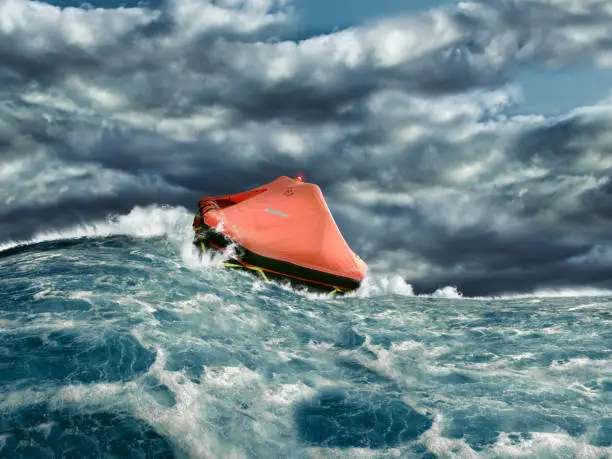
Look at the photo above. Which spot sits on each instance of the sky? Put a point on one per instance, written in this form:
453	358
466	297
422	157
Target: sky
457	143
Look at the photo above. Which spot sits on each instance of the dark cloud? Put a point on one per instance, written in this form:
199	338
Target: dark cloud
597	204
562	142
401	122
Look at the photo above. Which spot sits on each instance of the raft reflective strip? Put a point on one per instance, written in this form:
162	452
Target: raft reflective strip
263	270
277	212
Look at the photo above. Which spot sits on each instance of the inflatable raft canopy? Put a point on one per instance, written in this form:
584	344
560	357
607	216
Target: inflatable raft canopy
282	230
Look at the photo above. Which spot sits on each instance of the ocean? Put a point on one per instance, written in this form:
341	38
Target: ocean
117	341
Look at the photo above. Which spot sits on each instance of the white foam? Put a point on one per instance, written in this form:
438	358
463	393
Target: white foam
445	447
194	258
547	445
287	394
377	284
107	394
16	400
583	363
46	293
145	222
382	285
182	423
230	377
316	346
420	349
194	305
557	293
524	356
453	293
449	292
317	452
583	390
554	330
145	307
385	364
587	306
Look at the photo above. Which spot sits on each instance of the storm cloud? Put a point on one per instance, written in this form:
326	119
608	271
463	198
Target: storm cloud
403	122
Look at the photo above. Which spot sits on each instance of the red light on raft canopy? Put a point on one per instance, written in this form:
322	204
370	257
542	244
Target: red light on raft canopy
300	177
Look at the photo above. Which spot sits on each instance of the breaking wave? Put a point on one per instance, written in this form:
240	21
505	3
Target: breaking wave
143	222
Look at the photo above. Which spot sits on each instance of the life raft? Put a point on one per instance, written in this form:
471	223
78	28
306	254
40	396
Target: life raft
283	230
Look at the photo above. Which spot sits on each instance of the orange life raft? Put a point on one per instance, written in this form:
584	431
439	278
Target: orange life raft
282	230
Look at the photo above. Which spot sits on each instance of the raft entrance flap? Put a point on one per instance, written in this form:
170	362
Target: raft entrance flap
232	199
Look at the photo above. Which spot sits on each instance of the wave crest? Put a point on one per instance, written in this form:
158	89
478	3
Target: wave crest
146	222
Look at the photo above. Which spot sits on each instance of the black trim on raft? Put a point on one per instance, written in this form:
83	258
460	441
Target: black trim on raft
274	269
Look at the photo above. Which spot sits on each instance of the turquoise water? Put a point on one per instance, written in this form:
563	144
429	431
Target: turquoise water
116	340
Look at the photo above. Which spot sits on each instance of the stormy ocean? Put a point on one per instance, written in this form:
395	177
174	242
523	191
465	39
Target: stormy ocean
118	341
